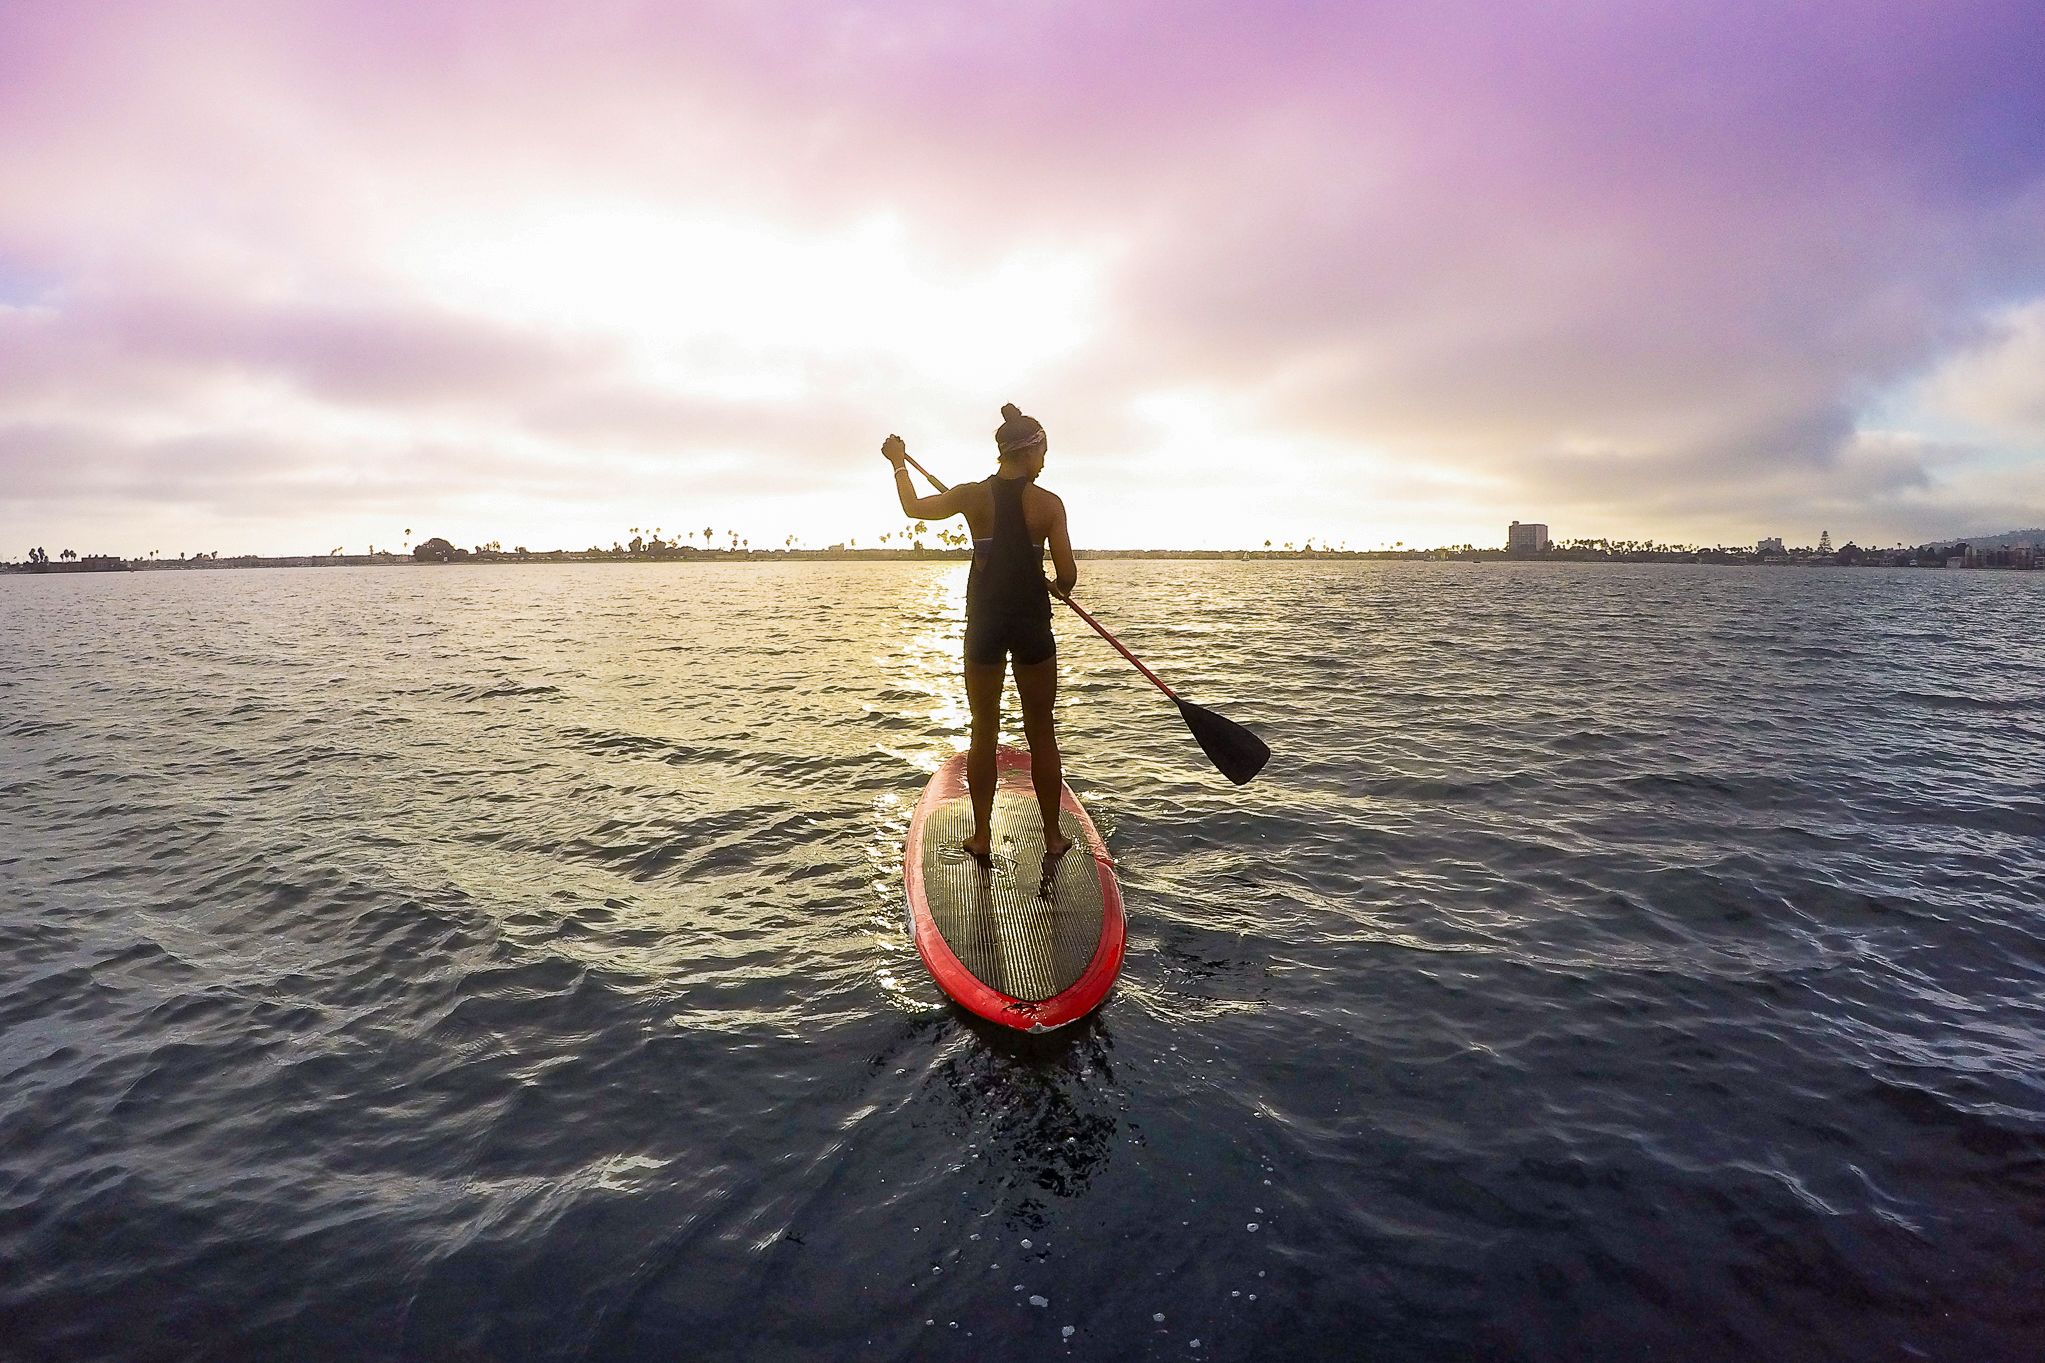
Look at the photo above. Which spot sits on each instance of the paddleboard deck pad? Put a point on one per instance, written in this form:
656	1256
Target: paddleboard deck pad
1008	941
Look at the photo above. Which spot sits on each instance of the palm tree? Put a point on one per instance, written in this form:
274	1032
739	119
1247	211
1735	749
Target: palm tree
408	537
706	537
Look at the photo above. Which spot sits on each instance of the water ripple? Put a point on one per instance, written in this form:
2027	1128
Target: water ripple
509	963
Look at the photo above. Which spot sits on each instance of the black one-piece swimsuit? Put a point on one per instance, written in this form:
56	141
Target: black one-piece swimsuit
1008	607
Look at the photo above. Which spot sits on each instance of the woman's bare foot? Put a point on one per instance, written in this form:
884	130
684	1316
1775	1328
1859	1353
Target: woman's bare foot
980	848
1054	852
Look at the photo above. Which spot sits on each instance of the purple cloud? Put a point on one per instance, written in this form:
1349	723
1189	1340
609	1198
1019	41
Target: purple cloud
1636	270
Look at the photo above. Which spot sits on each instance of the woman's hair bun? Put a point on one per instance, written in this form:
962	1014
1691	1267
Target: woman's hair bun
1018	432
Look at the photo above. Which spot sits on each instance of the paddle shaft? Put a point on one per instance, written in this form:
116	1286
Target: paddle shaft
1101	630
1098	628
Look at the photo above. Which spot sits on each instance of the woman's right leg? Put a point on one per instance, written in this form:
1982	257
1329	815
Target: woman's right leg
1036	685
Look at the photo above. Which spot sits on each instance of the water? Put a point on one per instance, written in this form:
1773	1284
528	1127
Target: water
508	963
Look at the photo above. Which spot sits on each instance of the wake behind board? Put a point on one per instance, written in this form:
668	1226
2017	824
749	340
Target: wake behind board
988	937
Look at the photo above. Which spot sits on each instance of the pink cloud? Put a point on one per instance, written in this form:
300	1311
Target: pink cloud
379	355
1629	262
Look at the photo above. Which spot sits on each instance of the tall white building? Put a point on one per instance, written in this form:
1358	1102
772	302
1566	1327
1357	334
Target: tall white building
1526	537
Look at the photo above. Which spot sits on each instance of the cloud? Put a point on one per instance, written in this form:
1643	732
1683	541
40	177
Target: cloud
1664	271
1998	385
236	473
146	345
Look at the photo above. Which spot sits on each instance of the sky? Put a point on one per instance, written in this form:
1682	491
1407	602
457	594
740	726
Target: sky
283	277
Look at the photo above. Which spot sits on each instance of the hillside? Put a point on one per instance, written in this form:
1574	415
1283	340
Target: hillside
2008	539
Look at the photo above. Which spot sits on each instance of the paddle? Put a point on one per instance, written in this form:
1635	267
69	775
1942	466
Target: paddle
1236	753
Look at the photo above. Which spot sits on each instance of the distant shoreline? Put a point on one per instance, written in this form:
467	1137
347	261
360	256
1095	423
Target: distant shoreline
2003	559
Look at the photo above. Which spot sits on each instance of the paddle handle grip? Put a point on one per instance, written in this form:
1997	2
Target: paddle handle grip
1077	609
924	471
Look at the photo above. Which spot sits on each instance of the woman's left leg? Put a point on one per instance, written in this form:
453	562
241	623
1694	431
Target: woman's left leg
983	696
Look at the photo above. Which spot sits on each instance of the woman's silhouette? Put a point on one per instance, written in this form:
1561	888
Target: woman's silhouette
1008	609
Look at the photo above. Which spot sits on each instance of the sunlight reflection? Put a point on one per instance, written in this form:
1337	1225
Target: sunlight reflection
927	691
929	664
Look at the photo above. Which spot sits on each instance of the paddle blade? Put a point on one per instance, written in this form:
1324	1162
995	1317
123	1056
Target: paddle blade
1236	753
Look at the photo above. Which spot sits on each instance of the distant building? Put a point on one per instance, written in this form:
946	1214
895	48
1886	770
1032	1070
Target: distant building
1526	537
1770	548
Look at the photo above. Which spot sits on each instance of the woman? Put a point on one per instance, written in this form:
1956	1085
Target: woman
1008	610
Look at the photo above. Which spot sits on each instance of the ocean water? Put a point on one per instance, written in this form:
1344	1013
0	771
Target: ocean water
508	963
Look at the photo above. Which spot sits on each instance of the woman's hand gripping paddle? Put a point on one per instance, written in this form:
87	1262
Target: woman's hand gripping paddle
1236	753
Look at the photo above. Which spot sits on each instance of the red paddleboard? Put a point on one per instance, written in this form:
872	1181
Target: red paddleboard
1010	942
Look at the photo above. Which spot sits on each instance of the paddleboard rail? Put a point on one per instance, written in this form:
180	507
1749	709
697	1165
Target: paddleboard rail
1093	983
